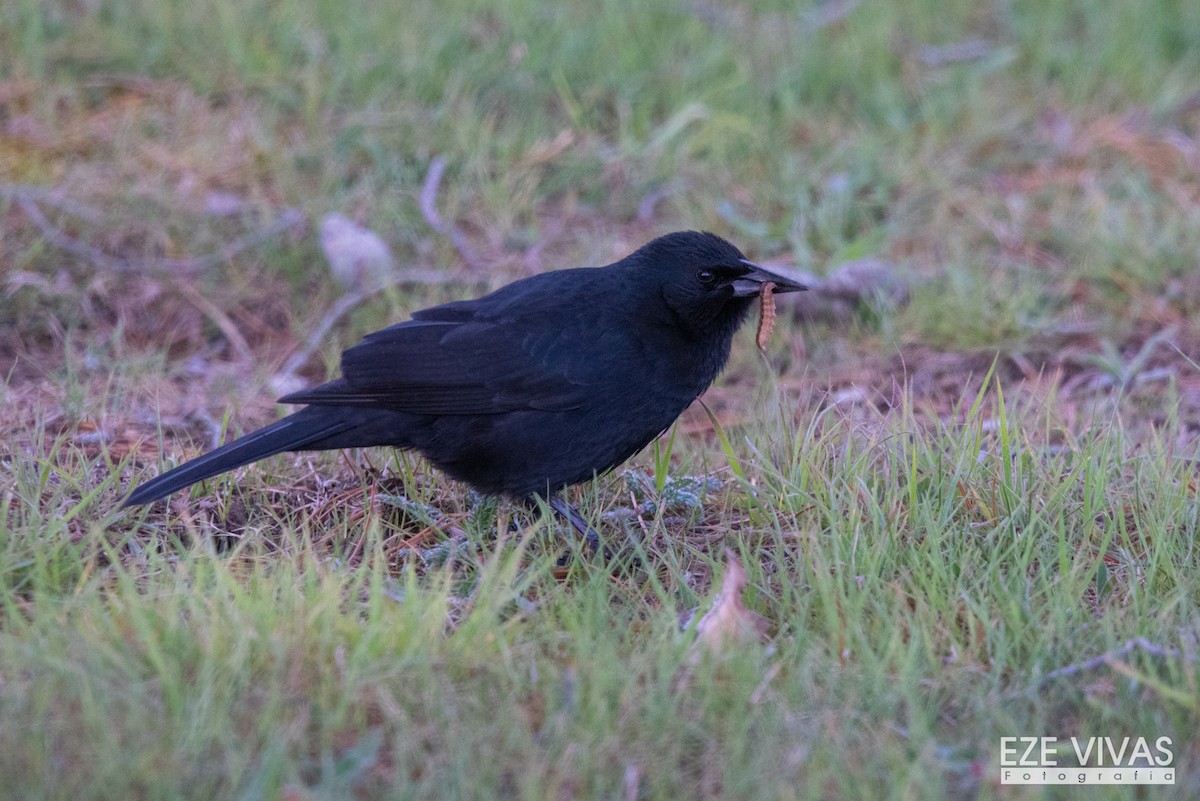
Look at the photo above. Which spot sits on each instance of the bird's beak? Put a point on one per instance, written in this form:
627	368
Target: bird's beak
751	283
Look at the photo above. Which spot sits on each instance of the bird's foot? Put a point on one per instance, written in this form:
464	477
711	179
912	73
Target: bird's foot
570	514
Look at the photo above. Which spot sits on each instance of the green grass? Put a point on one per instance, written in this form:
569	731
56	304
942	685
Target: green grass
919	585
949	504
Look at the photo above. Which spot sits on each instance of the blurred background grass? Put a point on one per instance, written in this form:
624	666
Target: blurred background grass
1027	163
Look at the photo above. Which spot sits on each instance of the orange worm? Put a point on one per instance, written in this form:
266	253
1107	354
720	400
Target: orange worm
766	320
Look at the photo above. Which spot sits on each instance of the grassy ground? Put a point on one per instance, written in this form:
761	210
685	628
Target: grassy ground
965	513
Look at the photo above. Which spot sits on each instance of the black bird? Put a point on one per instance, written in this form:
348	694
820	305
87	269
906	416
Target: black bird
543	383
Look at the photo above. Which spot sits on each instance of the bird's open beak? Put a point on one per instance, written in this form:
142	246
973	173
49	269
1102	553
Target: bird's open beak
751	283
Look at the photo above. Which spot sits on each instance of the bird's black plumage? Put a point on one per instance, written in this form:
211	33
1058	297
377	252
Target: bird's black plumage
543	383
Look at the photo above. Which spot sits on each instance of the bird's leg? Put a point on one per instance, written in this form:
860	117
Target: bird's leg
568	513
572	516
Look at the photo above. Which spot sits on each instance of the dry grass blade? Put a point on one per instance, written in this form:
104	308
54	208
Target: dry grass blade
27	199
428	203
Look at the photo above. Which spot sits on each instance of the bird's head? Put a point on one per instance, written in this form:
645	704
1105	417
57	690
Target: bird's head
705	281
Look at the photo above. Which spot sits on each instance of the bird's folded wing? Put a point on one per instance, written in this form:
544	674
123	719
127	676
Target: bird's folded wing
469	367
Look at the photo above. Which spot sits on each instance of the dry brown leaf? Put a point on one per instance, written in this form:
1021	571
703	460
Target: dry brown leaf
729	622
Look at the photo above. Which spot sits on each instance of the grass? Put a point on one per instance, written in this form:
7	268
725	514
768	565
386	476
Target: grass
950	504
920	583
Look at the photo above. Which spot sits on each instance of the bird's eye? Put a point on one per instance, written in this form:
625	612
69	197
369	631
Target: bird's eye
706	277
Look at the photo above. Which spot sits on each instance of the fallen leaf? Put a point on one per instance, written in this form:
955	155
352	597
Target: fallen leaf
729	622
358	257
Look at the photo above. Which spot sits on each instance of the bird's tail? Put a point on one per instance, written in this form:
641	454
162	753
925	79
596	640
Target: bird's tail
296	432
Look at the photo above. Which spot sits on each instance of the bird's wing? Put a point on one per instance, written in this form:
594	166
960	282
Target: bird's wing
454	360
